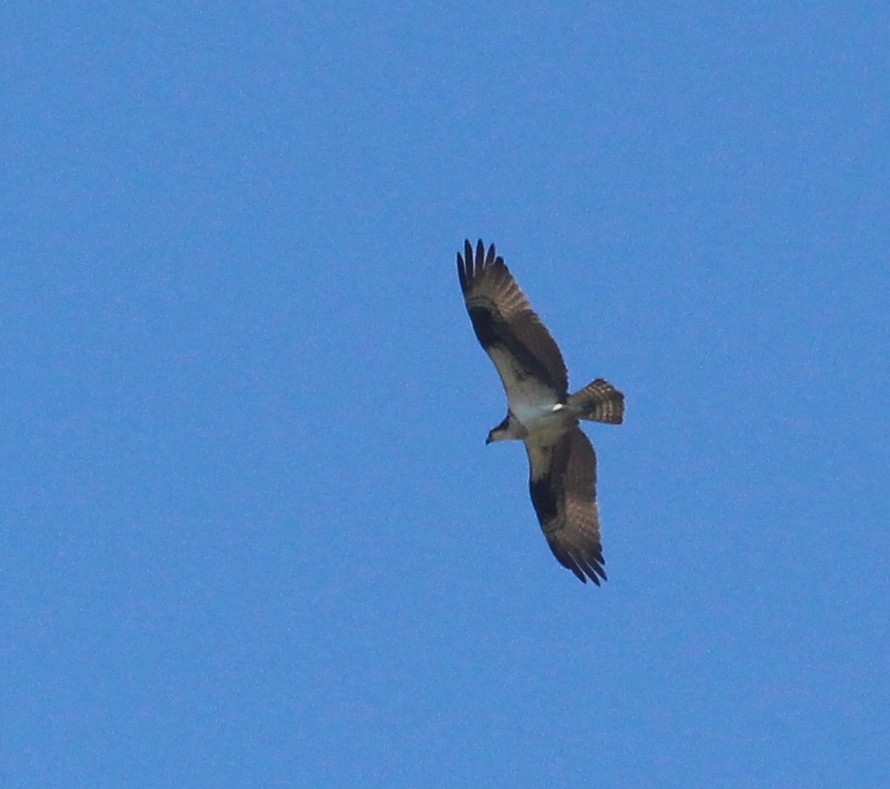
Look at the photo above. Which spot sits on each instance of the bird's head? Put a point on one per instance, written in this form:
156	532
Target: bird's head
507	430
496	434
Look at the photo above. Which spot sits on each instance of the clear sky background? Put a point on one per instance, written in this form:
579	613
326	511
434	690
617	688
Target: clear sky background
250	530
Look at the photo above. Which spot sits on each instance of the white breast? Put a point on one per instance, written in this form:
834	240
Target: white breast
531	402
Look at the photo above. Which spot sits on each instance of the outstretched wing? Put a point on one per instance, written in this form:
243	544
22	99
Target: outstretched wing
505	324
562	482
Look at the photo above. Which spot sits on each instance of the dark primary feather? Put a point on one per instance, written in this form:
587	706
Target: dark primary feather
562	483
503	319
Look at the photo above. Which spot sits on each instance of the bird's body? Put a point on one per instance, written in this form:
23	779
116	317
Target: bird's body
541	412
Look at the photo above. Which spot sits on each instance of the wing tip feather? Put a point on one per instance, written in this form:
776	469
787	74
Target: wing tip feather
585	568
589	569
472	263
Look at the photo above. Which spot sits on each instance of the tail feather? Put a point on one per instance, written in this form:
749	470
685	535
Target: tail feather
599	401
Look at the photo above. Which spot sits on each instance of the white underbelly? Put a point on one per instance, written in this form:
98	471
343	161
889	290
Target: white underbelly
534	405
531	415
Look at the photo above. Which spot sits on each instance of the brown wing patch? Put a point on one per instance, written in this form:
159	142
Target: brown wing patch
562	484
502	317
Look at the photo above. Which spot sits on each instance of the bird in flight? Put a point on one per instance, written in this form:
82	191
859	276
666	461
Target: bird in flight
541	413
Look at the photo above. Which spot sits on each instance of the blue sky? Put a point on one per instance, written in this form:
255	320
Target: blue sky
251	534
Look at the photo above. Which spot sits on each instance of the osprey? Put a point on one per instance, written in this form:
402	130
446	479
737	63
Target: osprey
541	412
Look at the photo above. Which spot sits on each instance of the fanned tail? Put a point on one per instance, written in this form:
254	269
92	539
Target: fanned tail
599	401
